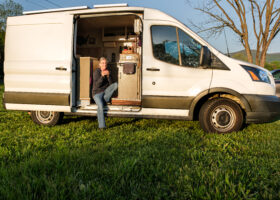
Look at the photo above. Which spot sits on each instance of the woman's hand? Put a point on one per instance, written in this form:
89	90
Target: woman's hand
105	73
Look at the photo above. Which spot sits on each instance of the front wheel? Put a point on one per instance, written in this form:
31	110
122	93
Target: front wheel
221	115
48	118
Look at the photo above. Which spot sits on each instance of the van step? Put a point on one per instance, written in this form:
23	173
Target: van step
126	102
112	108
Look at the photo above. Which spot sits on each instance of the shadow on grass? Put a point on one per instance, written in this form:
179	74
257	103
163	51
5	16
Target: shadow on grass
122	123
68	119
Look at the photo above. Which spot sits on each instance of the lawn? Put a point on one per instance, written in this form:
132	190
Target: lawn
135	159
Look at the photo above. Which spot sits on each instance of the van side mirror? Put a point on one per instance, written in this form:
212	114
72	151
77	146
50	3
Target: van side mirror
205	57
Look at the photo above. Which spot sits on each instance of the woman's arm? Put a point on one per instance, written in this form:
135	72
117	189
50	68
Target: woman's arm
97	79
110	78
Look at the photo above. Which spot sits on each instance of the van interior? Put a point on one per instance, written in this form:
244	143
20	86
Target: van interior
118	39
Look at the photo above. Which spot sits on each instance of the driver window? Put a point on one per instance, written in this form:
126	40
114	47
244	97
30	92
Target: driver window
190	50
165	45
166	48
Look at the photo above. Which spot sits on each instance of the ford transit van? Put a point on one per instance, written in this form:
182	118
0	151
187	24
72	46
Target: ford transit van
163	69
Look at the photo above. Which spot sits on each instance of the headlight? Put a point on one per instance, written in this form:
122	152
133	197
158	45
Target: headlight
257	74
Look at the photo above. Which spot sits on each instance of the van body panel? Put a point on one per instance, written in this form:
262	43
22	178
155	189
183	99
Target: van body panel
38	57
44	18
36	77
226	79
37	98
166	102
153	14
30	107
239	80
243	85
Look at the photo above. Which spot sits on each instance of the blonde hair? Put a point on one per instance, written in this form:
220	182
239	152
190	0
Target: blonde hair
102	58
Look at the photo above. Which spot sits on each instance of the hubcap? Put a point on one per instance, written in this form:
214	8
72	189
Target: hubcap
44	116
223	118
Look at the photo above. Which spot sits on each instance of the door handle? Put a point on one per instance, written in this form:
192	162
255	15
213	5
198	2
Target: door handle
153	69
61	68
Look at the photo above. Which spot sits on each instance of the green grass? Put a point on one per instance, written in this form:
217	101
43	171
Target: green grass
135	159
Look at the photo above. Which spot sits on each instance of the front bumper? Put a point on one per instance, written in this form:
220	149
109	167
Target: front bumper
264	108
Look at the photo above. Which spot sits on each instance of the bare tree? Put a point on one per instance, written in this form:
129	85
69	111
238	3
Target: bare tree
247	18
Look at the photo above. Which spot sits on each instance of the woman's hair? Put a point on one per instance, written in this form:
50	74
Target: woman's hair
102	58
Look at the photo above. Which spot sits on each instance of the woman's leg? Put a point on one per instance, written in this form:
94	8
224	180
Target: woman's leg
98	98
109	91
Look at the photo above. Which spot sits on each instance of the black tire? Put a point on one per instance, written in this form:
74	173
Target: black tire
221	115
47	118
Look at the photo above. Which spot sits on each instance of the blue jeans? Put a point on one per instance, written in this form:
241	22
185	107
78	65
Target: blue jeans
100	100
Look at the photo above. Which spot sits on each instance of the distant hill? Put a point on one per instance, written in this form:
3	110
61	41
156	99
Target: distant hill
270	57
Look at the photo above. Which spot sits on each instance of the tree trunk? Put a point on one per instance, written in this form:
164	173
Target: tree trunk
258	60
249	55
263	53
263	59
248	52
258	54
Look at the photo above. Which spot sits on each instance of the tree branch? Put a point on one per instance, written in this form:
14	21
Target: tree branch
265	16
222	20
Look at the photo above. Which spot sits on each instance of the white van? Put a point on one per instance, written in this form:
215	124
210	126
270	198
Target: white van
163	69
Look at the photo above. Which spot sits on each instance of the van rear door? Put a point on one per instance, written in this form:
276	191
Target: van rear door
38	62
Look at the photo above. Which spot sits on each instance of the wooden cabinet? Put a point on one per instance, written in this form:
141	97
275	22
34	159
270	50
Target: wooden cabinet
87	66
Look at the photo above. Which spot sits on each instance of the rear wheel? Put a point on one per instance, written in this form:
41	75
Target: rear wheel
48	118
221	115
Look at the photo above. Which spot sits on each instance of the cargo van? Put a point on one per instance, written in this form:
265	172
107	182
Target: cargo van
163	69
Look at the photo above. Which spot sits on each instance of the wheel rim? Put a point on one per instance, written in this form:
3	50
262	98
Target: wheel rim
45	116
223	118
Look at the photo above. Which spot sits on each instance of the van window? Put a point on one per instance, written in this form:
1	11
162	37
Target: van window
165	45
189	49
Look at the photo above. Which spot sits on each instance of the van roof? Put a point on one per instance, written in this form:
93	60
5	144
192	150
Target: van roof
150	13
98	8
55	10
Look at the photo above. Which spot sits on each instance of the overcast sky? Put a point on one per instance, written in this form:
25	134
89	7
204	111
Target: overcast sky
180	9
